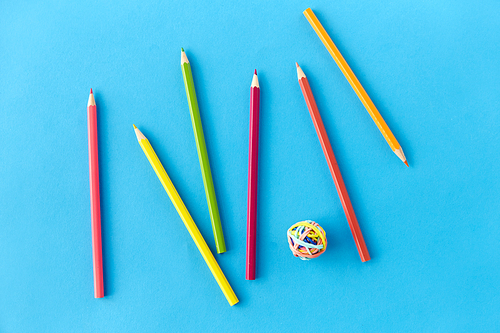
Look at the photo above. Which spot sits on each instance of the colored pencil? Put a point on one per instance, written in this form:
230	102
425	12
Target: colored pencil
332	164
95	205
202	153
355	84
186	217
253	156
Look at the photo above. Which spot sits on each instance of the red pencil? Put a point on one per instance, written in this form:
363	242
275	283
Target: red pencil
95	206
332	163
252	177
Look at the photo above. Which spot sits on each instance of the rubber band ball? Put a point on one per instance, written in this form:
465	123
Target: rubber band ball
307	239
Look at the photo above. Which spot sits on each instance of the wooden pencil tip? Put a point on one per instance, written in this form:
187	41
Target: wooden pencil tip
135	127
300	72
255	80
297	64
91	101
184	58
407	164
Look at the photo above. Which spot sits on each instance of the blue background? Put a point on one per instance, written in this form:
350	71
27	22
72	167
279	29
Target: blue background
432	229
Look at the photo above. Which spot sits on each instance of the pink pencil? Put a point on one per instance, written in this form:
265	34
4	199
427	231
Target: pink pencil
95	206
252	177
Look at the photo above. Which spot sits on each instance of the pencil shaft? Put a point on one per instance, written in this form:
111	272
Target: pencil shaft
203	157
334	169
95	207
252	183
188	222
354	82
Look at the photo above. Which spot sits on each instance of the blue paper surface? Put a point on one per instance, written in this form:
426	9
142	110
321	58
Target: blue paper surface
432	69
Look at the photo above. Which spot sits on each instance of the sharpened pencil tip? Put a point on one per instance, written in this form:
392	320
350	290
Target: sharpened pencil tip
407	164
135	126
300	72
91	101
255	72
184	58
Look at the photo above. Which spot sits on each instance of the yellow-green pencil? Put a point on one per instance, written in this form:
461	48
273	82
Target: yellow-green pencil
206	173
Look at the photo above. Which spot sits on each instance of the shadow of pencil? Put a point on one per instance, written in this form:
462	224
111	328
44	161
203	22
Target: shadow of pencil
102	138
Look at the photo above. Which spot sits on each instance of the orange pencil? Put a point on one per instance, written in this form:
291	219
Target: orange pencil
332	164
354	82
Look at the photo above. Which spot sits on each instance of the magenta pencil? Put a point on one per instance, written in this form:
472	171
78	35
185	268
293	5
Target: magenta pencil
252	177
95	206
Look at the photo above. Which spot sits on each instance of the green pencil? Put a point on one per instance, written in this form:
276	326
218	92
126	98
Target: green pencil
202	153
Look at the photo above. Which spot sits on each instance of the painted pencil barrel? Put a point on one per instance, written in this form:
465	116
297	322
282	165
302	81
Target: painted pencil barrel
334	168
203	157
95	206
352	79
252	183
188	222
